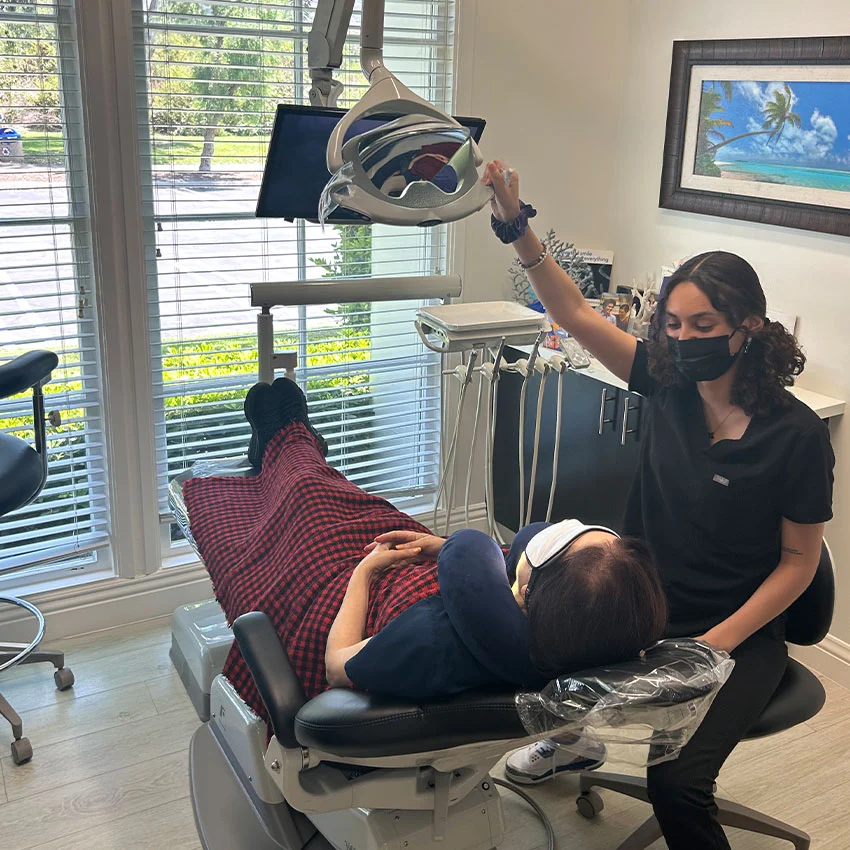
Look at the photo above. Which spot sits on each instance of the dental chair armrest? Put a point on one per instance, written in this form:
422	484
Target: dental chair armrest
274	677
26	371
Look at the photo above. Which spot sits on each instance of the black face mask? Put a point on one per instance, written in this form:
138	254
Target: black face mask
703	358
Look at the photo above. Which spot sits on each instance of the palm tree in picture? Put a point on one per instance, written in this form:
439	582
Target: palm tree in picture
777	115
708	131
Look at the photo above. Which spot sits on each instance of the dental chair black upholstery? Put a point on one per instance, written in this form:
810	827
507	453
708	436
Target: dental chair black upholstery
23	473
799	697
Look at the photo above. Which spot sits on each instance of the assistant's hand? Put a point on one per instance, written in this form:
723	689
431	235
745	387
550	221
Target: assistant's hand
716	640
428	544
505	203
384	557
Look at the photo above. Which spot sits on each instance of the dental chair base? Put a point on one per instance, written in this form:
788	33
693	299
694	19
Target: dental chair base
241	794
200	642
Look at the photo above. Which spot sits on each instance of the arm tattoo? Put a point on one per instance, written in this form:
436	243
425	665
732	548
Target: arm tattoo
791	551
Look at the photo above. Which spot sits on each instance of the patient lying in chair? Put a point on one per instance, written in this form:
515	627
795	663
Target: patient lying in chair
363	595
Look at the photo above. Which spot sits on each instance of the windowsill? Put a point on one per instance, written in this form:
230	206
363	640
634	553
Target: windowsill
184	556
35	588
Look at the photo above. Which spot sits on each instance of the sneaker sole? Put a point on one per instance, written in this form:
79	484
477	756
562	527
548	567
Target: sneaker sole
290	394
521	778
249	409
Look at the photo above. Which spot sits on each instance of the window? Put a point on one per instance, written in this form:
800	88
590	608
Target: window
47	288
209	77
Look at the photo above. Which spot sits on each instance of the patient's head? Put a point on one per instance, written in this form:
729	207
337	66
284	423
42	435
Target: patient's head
598	602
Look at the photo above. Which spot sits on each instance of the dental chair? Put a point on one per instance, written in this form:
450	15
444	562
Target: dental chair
799	697
23	473
349	770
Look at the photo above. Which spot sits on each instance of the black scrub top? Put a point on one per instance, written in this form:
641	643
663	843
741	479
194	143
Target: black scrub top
713	514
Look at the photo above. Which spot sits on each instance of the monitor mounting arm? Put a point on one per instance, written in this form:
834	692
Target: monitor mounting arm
327	40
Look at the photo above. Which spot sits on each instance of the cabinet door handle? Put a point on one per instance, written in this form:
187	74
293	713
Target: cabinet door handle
602	420
602	411
625	431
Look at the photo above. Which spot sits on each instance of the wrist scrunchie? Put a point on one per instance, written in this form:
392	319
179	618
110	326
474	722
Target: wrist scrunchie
510	231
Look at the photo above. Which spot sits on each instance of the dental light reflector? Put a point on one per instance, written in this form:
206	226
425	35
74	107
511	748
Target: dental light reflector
416	170
361	167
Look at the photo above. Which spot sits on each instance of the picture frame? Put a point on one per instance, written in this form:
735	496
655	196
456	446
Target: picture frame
759	130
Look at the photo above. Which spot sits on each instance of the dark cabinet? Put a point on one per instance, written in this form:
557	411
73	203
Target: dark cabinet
599	444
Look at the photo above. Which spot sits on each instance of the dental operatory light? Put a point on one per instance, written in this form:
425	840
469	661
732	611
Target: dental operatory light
420	168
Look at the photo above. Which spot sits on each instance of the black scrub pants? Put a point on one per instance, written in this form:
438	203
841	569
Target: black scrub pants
681	790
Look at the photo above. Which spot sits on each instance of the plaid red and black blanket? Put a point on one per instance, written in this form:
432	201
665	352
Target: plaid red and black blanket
285	542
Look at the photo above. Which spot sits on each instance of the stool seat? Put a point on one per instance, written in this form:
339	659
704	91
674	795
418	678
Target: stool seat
354	724
20	472
799	697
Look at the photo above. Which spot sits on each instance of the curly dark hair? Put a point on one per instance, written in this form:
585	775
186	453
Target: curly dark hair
766	366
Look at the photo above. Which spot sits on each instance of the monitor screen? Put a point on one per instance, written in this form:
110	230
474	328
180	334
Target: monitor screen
296	169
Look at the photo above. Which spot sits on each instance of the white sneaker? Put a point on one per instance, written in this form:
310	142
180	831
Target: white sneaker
543	760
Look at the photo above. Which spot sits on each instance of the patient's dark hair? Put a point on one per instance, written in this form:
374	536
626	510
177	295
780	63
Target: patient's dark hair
601	604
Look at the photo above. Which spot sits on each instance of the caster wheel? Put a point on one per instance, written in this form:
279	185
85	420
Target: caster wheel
64	678
21	750
589	805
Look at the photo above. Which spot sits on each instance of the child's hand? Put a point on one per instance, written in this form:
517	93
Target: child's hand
384	557
428	544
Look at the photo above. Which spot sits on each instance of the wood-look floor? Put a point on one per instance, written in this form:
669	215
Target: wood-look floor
110	766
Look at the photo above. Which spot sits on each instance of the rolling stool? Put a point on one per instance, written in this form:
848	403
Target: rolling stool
23	473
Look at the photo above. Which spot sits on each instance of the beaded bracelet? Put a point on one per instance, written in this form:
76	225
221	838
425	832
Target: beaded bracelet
538	262
510	231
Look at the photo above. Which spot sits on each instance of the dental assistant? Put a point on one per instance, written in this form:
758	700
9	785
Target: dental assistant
732	491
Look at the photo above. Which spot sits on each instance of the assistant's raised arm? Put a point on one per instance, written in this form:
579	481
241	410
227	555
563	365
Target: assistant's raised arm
556	290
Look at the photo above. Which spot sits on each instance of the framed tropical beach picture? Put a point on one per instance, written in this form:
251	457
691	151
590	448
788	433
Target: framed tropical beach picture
759	130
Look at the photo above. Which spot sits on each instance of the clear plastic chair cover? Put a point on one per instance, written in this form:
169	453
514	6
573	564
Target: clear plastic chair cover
646	709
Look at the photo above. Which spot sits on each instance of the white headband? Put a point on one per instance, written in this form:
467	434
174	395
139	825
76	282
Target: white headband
554	539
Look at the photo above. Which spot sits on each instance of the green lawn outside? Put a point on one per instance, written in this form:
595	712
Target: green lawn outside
47	148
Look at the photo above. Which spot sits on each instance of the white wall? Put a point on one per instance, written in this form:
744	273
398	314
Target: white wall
518	66
575	95
547	77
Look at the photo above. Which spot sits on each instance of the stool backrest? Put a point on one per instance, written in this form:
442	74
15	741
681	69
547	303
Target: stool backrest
810	617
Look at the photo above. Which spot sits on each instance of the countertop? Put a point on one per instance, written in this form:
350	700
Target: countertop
825	406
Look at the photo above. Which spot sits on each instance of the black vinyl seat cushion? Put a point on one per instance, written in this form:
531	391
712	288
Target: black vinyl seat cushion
20	473
354	724
799	697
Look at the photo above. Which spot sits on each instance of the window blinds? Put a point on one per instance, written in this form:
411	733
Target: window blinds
46	279
209	78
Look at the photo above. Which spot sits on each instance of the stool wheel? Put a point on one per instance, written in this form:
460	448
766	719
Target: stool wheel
589	804
64	678
21	750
